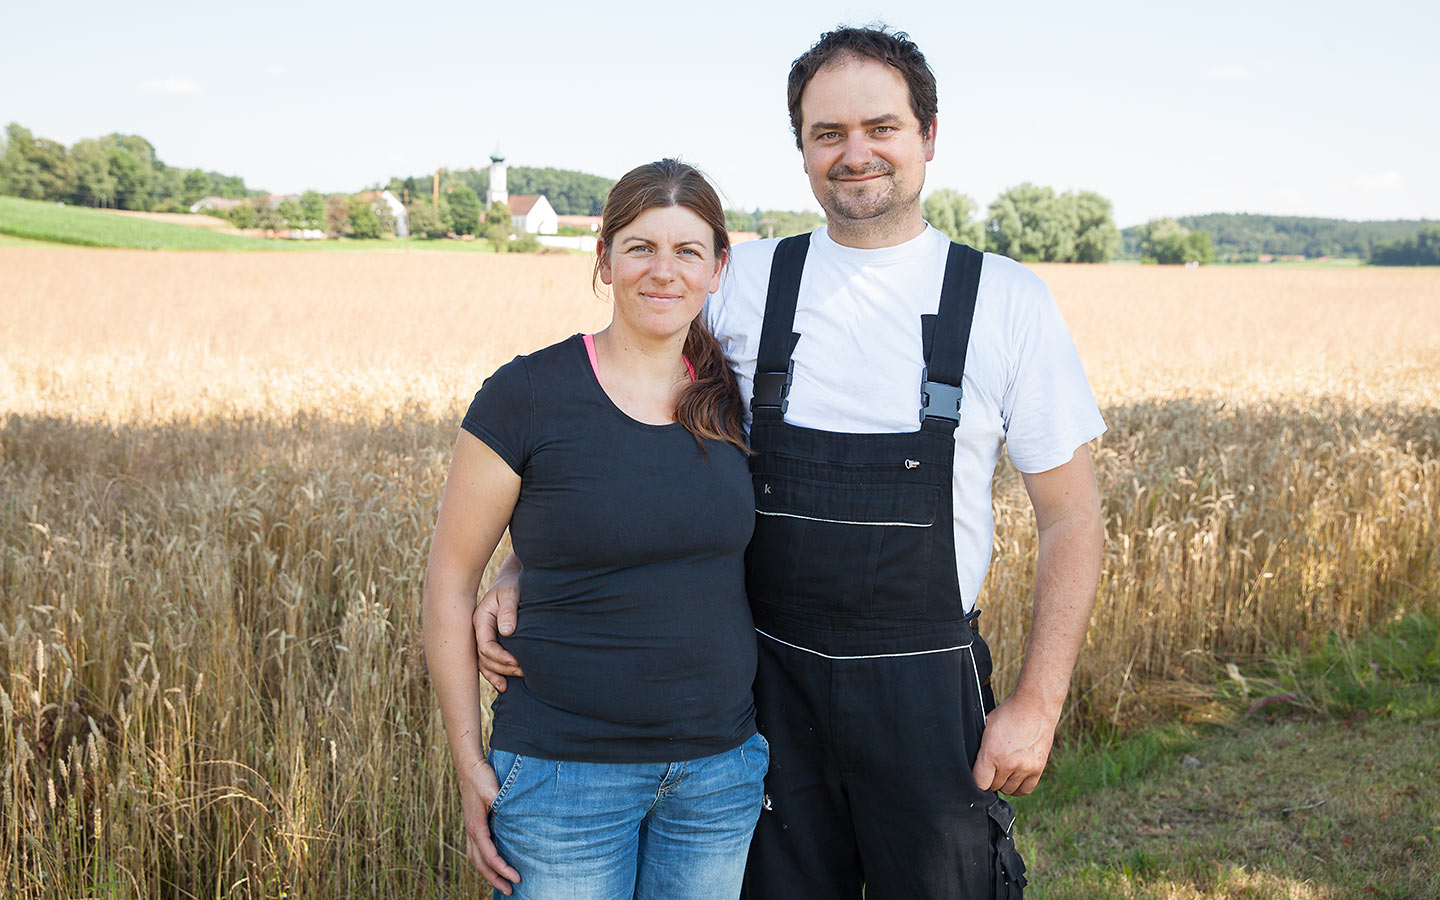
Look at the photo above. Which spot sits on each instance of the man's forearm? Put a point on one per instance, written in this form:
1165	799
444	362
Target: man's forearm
1067	571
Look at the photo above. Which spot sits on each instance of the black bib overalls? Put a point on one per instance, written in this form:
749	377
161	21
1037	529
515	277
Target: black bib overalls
872	685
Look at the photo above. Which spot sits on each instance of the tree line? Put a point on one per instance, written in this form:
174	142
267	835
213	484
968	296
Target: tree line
1245	237
1031	223
117	171
571	193
1420	249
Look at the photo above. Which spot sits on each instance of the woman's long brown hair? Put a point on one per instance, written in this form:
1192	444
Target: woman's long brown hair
710	407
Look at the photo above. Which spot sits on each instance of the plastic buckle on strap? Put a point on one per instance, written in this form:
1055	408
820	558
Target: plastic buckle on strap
1003	815
940	401
772	389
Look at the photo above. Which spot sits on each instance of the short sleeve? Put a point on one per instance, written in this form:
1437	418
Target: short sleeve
503	414
1049	410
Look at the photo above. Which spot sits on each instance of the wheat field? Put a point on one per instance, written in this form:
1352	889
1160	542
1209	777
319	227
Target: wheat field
220	472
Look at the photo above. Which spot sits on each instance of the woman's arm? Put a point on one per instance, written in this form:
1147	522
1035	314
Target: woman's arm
479	498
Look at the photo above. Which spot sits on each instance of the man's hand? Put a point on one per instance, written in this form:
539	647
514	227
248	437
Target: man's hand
1018	734
478	788
493	618
1014	747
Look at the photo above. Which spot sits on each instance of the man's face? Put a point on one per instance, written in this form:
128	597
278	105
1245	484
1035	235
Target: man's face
864	150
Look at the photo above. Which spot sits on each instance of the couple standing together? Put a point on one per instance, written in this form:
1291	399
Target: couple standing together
829	556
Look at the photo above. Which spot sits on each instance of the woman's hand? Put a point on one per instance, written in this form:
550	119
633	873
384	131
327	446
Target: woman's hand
478	788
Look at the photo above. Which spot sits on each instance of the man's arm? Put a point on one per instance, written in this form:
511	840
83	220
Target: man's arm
1019	732
494	617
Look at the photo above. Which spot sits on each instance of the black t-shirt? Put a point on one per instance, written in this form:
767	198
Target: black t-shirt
634	629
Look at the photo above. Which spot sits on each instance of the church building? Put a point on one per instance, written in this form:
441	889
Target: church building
530	213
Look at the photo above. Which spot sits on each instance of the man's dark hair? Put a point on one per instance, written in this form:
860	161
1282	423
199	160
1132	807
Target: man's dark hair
877	42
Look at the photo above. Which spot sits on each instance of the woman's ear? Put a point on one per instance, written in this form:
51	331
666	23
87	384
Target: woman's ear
722	259
604	262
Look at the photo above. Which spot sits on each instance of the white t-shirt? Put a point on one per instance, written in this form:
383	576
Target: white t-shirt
859	359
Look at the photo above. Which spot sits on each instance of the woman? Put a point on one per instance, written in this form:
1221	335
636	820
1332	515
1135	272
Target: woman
626	761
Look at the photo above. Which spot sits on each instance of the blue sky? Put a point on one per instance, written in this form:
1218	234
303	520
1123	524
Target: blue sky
1291	108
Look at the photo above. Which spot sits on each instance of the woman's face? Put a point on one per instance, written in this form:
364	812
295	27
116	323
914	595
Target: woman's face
661	266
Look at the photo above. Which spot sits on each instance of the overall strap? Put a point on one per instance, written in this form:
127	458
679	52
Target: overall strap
949	339
774	367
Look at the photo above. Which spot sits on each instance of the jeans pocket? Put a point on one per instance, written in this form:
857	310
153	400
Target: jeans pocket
1009	868
510	763
756	754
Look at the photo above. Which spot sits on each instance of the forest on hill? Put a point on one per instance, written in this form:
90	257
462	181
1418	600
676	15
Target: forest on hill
1244	237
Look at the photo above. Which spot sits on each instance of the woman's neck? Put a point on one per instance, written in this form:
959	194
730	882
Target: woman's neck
643	377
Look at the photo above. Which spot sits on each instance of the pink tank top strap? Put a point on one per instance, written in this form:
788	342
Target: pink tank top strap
595	365
590	350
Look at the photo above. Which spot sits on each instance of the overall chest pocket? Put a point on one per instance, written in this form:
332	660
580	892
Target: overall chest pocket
846	550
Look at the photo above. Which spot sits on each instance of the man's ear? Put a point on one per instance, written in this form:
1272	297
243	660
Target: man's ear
929	139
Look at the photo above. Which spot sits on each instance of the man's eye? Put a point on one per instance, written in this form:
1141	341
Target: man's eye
884	129
639	248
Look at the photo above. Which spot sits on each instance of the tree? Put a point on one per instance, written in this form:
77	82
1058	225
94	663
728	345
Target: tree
132	179
36	168
1422	249
384	217
195	186
1020	223
337	214
267	216
312	210
95	185
1097	239
363	221
425	221
465	209
499	226
1167	242
1199	248
950	211
290	212
242	216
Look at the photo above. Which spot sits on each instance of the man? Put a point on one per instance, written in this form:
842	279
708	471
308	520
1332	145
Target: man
872	537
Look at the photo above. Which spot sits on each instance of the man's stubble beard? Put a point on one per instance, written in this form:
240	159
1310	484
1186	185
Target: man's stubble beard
861	215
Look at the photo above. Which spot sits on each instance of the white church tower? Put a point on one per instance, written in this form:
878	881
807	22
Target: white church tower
497	192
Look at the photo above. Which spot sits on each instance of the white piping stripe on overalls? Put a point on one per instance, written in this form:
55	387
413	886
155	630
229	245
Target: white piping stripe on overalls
842	522
871	656
979	691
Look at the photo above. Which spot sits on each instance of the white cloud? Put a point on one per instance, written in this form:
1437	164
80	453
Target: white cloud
276	70
171	86
1384	181
1228	73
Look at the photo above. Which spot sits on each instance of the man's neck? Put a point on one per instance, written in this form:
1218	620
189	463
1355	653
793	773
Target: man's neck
874	234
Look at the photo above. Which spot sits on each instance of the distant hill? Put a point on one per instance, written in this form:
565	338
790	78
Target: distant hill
1243	236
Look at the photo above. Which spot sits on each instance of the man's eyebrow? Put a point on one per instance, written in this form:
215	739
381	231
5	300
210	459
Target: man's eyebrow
887	119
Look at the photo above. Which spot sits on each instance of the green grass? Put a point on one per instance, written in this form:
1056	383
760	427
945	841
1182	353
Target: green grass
54	223
35	223
1329	793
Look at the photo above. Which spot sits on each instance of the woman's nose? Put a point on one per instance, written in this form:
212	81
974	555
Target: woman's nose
662	267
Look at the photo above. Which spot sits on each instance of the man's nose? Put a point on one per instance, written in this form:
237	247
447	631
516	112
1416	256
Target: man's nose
857	153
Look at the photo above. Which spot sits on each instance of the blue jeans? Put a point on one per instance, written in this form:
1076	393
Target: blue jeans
614	831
